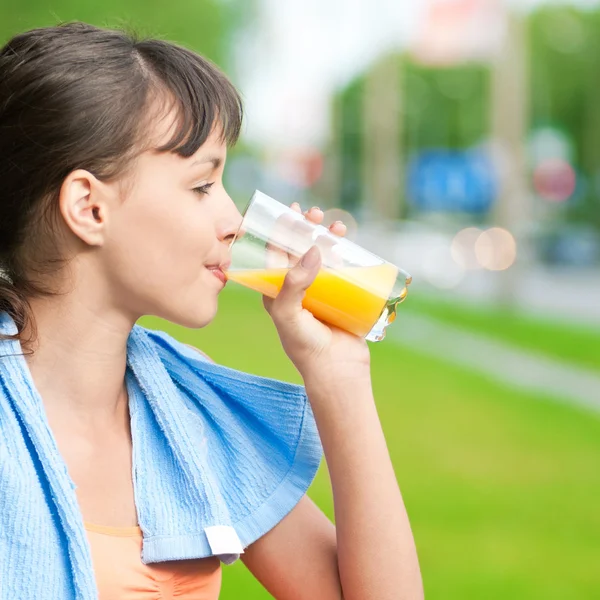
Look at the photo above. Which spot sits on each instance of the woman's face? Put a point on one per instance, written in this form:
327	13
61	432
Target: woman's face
169	234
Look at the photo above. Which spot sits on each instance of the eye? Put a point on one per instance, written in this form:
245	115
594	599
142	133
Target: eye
203	189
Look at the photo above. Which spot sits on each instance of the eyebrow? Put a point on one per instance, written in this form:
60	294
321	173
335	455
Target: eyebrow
215	160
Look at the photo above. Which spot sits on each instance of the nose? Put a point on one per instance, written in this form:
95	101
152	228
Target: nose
230	221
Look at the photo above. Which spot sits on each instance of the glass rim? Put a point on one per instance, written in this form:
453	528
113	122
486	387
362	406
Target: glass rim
244	214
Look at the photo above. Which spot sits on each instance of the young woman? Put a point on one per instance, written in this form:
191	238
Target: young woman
130	465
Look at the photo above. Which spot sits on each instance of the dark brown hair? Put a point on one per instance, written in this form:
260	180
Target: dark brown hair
77	96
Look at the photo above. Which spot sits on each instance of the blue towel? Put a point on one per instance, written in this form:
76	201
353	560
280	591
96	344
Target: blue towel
219	458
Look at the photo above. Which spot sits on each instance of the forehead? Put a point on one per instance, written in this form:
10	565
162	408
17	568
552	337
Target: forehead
164	123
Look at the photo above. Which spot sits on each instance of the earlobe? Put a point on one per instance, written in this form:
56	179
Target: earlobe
83	208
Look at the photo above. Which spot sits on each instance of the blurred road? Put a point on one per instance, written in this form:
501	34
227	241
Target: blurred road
567	295
561	293
500	361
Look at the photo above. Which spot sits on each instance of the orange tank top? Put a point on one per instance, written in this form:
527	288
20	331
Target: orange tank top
121	575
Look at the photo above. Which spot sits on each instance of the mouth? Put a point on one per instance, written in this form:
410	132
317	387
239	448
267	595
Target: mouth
219	272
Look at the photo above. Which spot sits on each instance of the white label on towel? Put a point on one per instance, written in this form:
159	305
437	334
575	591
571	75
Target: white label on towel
223	539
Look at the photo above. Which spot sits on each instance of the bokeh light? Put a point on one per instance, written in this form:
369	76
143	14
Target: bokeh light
555	180
463	248
496	249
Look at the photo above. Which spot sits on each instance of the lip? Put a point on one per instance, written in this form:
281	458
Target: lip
218	273
220	265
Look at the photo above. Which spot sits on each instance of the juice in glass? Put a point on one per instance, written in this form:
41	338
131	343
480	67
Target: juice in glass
351	298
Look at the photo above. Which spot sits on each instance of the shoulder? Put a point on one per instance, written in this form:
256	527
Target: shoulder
206	356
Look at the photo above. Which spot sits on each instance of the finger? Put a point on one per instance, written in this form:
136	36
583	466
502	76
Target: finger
338	228
300	235
315	215
296	207
276	251
288	303
268	303
329	246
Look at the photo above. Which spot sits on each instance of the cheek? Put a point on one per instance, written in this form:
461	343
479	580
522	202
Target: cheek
167	247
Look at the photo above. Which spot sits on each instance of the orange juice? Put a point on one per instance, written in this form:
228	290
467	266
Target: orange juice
351	298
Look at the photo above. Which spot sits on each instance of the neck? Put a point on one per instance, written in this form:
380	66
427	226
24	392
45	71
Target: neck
79	359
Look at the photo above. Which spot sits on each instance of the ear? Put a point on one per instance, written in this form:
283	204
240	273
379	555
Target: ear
83	204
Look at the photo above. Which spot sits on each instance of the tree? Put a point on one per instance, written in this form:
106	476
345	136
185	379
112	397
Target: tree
206	26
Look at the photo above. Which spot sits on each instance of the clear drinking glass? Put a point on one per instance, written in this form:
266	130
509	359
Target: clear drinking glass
355	290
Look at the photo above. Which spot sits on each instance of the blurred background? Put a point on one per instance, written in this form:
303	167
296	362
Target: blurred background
459	139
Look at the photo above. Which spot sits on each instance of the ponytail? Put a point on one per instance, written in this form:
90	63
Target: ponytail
13	301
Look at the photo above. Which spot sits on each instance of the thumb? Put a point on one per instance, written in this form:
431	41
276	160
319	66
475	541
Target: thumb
298	280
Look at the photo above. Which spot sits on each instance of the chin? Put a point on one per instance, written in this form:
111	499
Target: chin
196	319
193	309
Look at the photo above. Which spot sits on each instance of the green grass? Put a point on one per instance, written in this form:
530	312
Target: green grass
501	487
573	343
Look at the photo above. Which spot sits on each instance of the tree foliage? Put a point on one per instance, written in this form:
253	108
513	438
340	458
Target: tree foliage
450	107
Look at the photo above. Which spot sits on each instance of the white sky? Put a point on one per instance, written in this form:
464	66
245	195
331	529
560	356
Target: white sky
299	51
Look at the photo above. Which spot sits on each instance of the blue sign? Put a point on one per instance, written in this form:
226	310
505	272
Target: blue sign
452	181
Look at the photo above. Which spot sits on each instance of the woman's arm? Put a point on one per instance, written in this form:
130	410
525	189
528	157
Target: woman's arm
375	547
370	554
297	559
376	556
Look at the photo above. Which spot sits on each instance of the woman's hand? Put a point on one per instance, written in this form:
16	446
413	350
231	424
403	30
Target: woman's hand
319	351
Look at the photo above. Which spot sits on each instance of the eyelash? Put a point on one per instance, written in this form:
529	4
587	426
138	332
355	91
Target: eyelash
203	189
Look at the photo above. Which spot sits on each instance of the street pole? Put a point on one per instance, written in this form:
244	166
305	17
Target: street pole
383	177
509	125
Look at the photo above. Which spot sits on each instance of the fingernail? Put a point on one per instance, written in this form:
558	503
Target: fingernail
311	258
315	208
